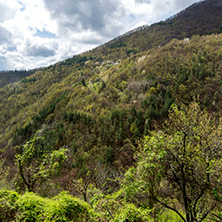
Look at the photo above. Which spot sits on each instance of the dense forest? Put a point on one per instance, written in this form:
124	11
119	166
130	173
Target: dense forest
129	131
12	76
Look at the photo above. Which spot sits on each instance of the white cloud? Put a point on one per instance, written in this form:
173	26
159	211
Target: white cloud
42	32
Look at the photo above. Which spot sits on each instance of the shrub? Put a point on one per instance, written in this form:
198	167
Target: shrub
7	205
65	208
30	207
130	212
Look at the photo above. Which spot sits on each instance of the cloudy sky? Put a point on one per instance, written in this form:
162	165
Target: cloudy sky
36	33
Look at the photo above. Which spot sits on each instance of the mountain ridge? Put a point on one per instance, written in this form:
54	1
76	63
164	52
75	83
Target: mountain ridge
159	29
205	16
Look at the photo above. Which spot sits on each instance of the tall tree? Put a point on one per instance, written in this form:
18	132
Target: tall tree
183	162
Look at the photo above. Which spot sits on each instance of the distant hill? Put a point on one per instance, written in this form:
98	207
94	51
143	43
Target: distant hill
12	76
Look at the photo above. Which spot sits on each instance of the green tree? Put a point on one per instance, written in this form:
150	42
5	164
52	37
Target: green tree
4	171
182	162
36	165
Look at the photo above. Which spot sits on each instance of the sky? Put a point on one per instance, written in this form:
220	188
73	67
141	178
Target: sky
37	33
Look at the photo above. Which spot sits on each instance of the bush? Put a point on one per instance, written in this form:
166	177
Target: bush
66	208
130	212
7	205
30	207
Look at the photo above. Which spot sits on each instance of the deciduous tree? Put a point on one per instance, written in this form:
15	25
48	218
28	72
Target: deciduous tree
182	162
36	165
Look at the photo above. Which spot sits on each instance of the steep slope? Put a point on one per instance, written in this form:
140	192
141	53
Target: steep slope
120	100
99	108
201	18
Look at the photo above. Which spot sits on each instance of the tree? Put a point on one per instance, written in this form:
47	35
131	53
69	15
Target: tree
36	165
183	162
4	171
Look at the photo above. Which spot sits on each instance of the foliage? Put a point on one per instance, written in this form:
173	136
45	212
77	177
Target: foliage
31	207
182	161
183	25
7	77
4	171
92	121
66	208
36	165
92	111
7	205
130	212
169	216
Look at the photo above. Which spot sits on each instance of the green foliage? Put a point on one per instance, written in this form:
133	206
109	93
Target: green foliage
8	205
75	59
36	165
37	120
66	208
118	45
169	216
98	105
182	161
31	79
7	77
31	207
130	212
109	157
4	171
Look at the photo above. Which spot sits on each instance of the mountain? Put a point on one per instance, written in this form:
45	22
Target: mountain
7	77
202	18
99	104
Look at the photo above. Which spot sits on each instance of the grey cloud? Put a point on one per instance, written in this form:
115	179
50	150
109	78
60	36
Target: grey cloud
2	63
173	5
5	12
178	4
91	41
85	14
143	1
5	35
40	50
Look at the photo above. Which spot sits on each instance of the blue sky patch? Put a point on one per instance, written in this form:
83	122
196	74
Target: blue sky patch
45	34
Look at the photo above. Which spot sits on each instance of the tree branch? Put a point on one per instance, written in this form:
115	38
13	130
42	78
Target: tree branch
22	175
171	208
220	218
109	211
196	201
206	214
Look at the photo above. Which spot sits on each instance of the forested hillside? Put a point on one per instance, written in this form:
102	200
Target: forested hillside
7	77
132	127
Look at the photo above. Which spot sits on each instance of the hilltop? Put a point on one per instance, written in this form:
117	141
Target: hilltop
202	18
